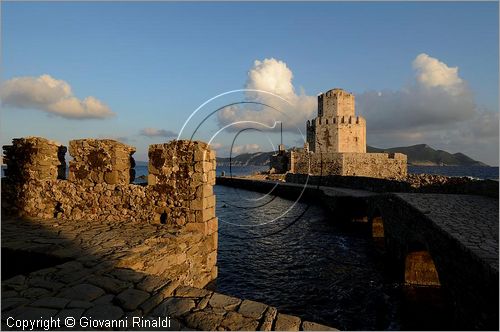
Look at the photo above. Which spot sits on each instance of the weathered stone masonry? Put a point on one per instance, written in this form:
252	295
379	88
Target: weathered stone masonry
179	194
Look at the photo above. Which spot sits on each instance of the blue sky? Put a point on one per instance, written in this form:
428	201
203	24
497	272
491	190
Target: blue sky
152	64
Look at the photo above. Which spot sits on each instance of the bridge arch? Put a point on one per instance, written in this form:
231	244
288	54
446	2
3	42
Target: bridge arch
377	229
419	267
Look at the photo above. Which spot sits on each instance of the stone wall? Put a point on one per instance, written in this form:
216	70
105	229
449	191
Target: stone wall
374	165
179	195
101	161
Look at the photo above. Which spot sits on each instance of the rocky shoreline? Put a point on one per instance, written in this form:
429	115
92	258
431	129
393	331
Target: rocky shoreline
424	183
422	180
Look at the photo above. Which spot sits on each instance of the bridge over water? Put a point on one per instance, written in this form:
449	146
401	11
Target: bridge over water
449	241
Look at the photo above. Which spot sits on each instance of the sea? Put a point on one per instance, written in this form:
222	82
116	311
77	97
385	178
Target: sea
477	172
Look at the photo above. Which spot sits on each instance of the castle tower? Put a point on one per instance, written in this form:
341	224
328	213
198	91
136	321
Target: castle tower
336	128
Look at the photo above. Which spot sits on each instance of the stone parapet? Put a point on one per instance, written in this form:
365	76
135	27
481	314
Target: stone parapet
180	200
33	158
101	161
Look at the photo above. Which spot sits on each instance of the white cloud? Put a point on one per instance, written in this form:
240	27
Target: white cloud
153	132
246	148
438	108
433	73
51	95
272	76
438	96
216	146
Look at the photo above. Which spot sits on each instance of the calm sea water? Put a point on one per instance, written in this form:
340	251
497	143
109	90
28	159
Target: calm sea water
302	263
300	259
472	171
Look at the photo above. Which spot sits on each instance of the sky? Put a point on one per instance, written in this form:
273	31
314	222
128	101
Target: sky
422	72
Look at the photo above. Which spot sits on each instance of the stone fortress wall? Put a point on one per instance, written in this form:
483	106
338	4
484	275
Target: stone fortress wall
99	188
336	145
374	165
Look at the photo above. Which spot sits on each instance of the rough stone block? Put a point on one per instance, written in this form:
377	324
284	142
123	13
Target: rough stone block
310	326
211	259
268	319
204	203
204	190
252	309
234	321
212	226
205	214
287	323
131	298
82	292
51	302
223	301
104	311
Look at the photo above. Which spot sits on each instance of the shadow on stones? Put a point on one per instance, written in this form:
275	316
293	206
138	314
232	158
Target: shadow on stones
16	262
54	261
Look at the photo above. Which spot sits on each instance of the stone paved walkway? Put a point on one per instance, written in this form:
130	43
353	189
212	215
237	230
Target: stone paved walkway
472	220
113	273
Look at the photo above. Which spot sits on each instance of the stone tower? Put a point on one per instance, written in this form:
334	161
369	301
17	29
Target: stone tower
336	128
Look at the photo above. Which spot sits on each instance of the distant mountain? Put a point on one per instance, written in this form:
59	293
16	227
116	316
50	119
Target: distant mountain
247	159
424	155
418	155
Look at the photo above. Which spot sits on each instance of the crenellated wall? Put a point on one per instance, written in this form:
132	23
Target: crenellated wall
179	194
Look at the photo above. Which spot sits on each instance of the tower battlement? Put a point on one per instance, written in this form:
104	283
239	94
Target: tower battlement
336	102
336	128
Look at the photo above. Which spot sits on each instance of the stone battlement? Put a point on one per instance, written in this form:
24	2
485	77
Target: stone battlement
336	102
99	188
101	161
34	158
336	120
